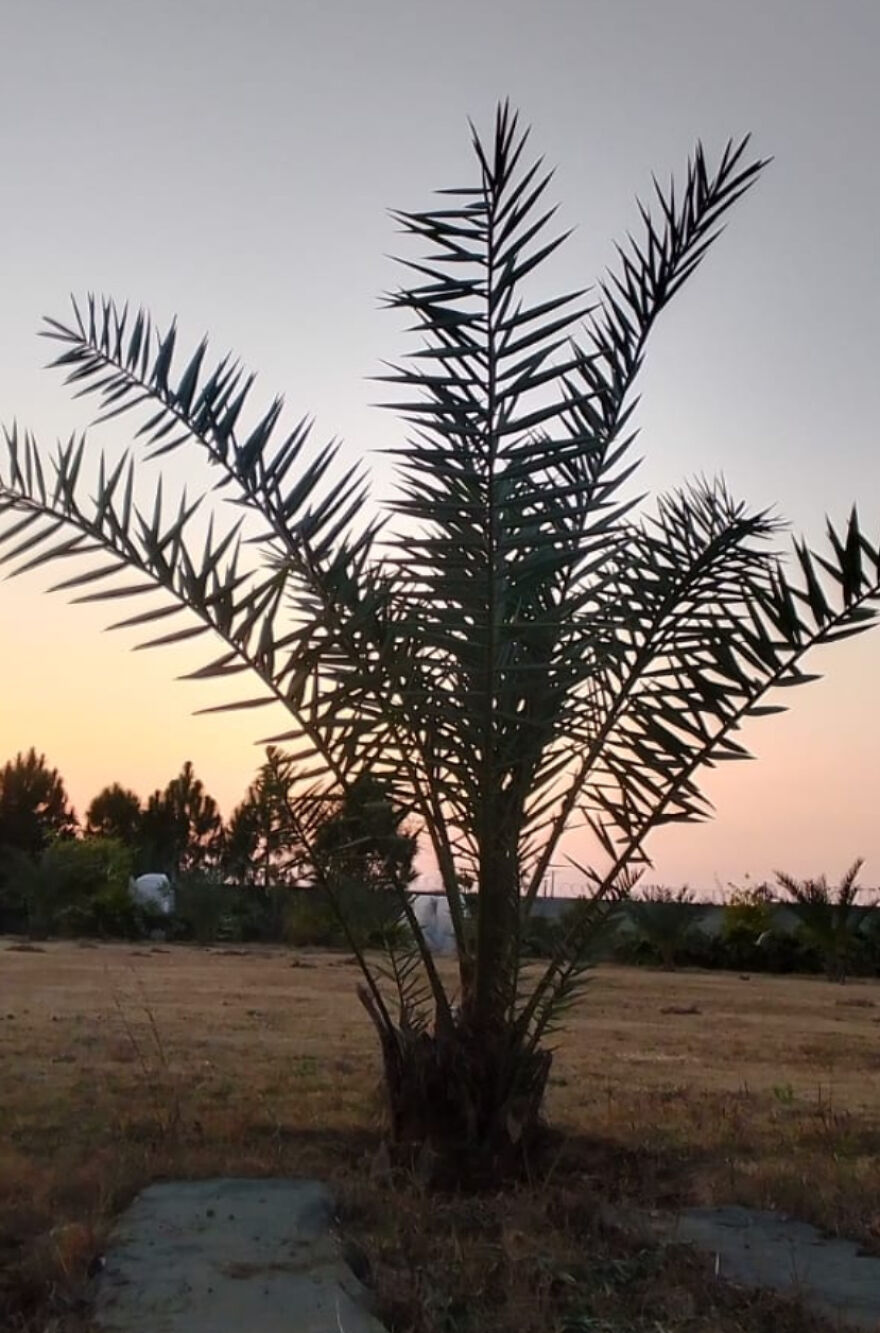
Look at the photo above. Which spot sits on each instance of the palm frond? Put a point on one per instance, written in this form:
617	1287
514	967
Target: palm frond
778	621
130	365
404	969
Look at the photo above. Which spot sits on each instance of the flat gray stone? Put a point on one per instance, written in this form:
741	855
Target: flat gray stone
764	1249
230	1256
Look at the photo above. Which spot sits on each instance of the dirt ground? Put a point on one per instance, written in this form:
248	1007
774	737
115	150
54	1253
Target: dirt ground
121	1064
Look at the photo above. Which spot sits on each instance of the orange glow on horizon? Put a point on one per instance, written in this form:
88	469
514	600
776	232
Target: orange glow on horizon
102	713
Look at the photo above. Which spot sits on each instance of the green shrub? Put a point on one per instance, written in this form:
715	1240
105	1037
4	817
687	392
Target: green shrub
110	914
692	948
782	952
704	950
77	886
257	914
203	909
372	917
14	867
370	913
748	911
309	921
830	919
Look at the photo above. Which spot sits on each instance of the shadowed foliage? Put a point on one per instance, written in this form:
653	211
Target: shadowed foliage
663	920
115	813
517	647
34	807
259	846
364	840
181	831
831	918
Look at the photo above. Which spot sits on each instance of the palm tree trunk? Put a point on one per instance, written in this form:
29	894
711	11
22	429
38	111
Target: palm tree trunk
487	1009
471	1091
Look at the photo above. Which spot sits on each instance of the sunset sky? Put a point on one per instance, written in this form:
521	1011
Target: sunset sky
232	161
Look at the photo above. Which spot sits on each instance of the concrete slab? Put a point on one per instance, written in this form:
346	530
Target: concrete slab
765	1249
230	1256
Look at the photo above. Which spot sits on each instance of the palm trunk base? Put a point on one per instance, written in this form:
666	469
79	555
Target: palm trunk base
467	1106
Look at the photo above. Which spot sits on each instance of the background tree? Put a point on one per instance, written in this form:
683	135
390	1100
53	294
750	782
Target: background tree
34	806
364	842
362	857
181	828
76	886
519	646
260	844
163	836
115	813
831	919
747	926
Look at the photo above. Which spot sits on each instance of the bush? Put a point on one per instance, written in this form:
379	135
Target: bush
203	909
741	950
751	941
540	936
257	914
208	909
869	941
664	921
692	948
372	916
783	952
309	921
748	912
830	918
76	887
14	867
110	914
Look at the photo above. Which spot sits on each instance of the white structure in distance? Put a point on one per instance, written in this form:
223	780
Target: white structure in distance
432	913
154	892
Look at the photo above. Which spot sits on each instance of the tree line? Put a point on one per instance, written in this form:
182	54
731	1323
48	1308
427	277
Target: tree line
793	925
58	872
236	879
178	829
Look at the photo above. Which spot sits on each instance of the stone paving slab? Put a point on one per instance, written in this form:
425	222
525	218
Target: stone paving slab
230	1256
766	1249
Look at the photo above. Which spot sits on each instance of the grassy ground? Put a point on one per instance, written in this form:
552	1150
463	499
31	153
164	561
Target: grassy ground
122	1064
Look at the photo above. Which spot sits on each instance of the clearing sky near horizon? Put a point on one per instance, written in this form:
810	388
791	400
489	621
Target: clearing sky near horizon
233	164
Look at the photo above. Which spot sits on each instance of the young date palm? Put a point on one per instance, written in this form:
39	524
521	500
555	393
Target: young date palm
664	919
513	649
831	919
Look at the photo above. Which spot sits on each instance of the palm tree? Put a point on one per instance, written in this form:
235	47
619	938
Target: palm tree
515	648
831	919
664	918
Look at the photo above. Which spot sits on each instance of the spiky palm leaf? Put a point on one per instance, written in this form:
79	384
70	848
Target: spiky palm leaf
515	650
831	918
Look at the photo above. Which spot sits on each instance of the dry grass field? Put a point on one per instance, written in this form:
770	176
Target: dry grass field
120	1064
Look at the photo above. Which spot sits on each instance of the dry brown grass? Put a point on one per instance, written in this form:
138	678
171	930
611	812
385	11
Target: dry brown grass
122	1064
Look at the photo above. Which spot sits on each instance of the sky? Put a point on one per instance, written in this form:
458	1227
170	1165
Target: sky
233	162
